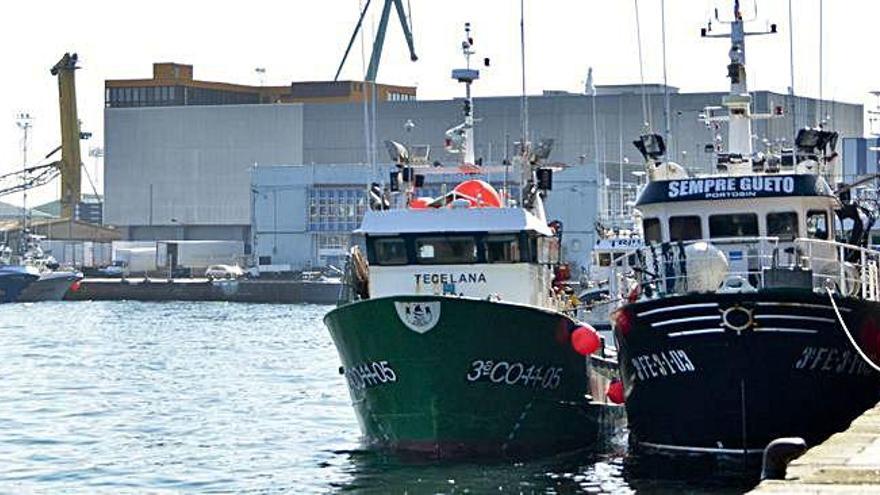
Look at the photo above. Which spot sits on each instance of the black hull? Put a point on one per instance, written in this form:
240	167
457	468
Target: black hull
694	384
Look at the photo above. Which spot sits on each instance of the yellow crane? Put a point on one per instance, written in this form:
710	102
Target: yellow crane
71	160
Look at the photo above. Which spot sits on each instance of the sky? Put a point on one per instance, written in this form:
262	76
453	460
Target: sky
301	40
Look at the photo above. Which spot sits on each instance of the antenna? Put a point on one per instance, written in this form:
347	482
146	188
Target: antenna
460	139
738	102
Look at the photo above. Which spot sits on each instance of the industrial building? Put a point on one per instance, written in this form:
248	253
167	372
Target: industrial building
182	170
173	84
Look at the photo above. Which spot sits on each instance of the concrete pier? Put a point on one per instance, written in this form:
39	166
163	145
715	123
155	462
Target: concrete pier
253	291
848	462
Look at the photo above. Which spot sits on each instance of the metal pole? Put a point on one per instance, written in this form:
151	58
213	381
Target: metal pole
794	125
522	48
820	109
666	109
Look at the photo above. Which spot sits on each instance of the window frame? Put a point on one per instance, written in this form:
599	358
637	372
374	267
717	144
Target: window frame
730	216
796	224
645	231
474	240
824	214
699	234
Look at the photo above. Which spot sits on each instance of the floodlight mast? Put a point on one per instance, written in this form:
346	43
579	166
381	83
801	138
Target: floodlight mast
738	101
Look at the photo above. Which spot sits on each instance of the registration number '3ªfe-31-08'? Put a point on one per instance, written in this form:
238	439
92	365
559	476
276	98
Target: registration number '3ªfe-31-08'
508	373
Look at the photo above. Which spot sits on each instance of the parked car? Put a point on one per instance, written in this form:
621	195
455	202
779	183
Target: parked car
116	270
224	271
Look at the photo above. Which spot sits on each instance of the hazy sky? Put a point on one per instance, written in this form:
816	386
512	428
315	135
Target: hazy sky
304	40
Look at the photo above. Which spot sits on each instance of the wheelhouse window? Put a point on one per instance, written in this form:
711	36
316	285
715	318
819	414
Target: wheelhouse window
817	224
686	228
391	251
502	249
604	259
783	225
651	226
445	250
735	225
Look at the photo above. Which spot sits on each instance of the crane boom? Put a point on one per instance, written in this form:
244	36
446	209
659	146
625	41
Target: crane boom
379	42
71	160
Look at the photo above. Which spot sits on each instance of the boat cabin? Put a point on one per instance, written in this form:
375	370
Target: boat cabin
787	207
756	222
502	253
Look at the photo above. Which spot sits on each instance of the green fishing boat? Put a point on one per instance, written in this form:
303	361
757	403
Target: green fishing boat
451	335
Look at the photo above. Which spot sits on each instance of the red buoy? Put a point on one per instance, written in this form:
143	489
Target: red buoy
75	286
622	321
480	193
615	391
585	340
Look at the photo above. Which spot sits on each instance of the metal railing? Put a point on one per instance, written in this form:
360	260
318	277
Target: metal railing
752	263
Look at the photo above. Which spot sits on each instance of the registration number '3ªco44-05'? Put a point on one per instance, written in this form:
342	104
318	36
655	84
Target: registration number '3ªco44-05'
515	374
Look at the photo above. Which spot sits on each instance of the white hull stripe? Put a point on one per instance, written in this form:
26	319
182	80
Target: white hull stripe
796	318
786	330
677	308
703	450
696	332
685	320
801	305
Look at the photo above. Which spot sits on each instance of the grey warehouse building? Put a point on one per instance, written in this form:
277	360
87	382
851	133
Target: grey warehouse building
183	172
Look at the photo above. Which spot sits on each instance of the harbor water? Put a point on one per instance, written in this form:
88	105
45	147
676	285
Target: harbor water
225	397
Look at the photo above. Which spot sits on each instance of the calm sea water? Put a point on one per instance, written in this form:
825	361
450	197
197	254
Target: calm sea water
218	397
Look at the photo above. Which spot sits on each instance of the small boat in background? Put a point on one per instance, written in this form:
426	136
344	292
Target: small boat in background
29	275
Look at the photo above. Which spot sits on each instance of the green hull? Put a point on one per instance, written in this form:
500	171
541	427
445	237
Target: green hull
469	377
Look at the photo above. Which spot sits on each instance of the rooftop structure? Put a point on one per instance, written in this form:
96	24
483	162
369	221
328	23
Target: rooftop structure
173	84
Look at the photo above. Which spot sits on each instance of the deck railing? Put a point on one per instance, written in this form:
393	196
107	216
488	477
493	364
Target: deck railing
665	269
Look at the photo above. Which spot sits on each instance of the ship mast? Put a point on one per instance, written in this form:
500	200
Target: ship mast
738	101
460	139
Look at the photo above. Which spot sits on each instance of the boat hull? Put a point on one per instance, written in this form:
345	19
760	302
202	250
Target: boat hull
51	286
477	378
728	373
12	284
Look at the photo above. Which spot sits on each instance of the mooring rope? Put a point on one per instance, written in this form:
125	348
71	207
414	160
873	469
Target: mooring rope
852	341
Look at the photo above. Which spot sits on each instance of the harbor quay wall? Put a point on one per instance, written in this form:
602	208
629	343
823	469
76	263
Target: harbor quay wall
248	291
848	462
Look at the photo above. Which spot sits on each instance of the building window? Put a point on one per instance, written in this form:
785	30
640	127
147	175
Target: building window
336	209
735	225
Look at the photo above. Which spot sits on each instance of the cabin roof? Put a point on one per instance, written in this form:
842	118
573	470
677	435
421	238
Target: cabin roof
733	187
448	220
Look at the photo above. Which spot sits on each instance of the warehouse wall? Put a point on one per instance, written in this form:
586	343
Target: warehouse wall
185	166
